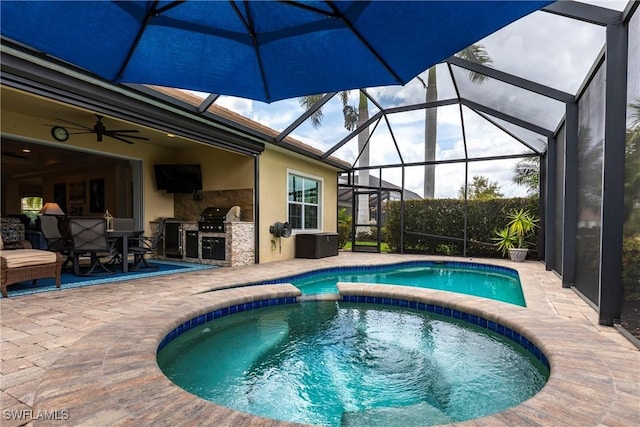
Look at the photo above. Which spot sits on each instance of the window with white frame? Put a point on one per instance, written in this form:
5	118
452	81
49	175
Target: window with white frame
304	209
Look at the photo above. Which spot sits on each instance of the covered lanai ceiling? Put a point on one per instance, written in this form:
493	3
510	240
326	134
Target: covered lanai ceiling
536	65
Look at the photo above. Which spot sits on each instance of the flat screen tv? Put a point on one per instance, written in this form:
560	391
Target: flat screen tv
178	178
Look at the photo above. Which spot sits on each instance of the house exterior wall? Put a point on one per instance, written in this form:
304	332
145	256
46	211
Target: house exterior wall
222	171
273	166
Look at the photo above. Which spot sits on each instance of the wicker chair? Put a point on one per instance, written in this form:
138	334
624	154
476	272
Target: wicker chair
18	265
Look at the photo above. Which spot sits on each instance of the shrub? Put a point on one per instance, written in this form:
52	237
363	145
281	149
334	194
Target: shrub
344	231
344	227
445	217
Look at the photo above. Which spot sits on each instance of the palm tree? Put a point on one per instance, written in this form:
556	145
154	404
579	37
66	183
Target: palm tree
474	53
353	118
527	173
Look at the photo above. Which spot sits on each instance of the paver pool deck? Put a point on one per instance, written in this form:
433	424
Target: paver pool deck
86	356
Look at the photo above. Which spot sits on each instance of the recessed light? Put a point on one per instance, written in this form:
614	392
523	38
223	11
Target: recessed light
171	135
26	150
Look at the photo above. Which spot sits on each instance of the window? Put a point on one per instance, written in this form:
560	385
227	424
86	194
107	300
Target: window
304	202
30	206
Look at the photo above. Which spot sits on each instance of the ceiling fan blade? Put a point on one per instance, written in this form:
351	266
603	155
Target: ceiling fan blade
118	138
49	125
142	138
76	124
100	130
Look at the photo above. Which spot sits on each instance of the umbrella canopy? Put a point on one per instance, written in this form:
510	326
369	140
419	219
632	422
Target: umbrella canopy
262	50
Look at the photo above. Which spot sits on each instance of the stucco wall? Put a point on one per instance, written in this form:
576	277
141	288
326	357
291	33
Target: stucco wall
274	164
221	170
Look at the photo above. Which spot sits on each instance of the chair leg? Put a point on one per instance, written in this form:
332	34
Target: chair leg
147	265
139	261
116	259
76	264
95	263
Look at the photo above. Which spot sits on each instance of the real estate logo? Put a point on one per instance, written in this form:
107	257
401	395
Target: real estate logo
41	414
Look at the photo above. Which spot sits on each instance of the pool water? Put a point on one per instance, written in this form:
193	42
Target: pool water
500	284
336	364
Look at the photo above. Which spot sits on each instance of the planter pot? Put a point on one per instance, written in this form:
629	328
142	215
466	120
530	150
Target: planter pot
518	254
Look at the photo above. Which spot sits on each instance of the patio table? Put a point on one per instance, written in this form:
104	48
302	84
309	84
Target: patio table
124	235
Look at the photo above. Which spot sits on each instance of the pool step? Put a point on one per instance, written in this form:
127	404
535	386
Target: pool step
420	414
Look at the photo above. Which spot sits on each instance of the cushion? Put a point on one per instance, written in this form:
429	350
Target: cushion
27	257
11	229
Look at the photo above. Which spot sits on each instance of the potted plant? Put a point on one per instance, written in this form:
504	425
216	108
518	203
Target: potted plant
511	239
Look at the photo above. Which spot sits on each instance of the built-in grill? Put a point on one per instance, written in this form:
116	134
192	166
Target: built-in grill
212	220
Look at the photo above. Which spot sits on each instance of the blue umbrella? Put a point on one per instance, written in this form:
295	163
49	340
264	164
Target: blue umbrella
263	50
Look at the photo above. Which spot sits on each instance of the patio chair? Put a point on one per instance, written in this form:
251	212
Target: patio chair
89	236
142	246
55	240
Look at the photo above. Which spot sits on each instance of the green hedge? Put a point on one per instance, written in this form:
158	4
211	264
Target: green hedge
445	217
344	231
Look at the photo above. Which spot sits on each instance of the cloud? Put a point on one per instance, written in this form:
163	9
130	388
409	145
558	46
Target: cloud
239	105
538	47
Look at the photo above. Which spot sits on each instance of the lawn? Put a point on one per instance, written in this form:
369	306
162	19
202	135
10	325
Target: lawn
384	247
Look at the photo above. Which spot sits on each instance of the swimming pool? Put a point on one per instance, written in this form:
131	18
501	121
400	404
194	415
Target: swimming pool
499	283
352	364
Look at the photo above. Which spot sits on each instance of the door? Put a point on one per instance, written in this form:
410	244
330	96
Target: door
365	232
173	239
191	244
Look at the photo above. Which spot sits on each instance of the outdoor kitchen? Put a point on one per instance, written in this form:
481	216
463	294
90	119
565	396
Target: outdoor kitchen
209	227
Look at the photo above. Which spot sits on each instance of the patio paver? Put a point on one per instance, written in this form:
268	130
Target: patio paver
71	349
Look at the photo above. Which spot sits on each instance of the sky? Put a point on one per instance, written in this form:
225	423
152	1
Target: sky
545	48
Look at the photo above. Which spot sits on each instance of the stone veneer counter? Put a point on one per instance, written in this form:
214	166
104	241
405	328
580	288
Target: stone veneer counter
239	243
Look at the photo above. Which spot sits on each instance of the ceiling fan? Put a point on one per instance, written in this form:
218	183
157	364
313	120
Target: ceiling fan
100	130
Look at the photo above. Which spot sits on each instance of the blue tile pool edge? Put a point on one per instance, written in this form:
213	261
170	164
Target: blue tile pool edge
431	308
473	319
221	312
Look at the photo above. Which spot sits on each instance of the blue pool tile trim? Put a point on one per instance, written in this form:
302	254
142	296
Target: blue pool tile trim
221	312
461	315
382	268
